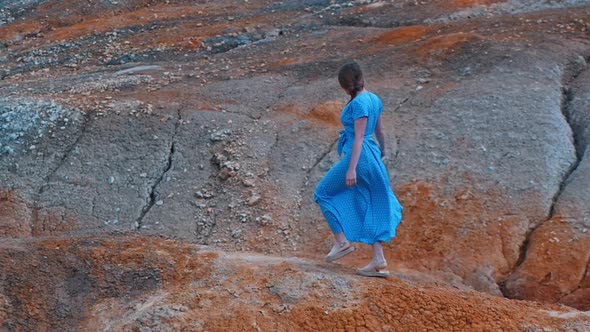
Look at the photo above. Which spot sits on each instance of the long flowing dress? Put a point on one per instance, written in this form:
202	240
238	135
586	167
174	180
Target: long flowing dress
368	211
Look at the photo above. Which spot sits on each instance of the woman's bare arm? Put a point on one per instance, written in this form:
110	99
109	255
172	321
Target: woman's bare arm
380	133
360	125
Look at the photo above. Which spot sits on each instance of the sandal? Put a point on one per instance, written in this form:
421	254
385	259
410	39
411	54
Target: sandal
374	269
339	250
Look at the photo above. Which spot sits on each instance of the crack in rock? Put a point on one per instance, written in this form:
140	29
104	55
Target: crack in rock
579	152
45	186
397	139
584	275
323	156
153	192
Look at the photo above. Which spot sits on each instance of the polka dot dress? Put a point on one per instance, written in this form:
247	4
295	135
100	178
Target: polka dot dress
368	211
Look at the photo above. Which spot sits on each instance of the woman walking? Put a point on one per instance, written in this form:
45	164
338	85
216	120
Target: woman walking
355	196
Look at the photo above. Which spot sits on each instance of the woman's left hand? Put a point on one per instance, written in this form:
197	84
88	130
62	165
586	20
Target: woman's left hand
351	177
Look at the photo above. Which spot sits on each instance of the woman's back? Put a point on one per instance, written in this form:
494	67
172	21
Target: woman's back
365	104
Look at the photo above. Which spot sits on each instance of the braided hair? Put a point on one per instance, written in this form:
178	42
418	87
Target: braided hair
351	79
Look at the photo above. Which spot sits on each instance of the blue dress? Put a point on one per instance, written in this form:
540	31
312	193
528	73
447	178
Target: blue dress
368	211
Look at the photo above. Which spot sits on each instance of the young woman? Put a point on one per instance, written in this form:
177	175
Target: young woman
355	196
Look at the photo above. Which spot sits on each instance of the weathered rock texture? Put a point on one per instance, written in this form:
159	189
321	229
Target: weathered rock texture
138	283
556	263
211	122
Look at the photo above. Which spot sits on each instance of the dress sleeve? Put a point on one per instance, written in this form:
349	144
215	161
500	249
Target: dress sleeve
359	110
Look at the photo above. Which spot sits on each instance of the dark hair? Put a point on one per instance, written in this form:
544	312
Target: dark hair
350	77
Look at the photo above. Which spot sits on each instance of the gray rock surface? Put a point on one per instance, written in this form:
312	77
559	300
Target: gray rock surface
556	262
36	136
190	124
508	7
498	149
133	150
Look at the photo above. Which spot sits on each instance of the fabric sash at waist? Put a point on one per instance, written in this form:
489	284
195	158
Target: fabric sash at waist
344	136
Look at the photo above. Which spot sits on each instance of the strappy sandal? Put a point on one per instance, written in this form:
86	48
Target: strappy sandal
338	251
374	269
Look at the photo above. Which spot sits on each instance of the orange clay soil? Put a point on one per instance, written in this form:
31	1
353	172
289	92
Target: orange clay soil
188	24
170	285
425	238
326	113
329	112
14	216
442	46
218	291
555	266
403	35
74	25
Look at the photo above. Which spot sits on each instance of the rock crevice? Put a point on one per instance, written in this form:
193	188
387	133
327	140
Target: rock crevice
85	126
152	198
561	209
323	156
566	99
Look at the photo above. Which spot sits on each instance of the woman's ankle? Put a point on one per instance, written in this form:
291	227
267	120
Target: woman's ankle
379	260
378	256
342	244
339	237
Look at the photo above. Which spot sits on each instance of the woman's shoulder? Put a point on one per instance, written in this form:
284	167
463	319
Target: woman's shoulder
373	95
369	97
366	95
364	99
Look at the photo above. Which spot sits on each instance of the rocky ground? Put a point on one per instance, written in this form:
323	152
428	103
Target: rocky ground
148	148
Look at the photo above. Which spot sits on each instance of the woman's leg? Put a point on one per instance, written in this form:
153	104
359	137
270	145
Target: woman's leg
378	256
340	238
332	221
376	268
326	195
341	245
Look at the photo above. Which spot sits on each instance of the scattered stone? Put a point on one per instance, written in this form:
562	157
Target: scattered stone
231	165
204	194
264	220
224	174
254	199
236	233
248	182
220	135
244	217
466	71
